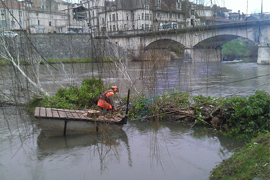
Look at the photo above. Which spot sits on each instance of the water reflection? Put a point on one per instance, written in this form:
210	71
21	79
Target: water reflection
140	151
103	145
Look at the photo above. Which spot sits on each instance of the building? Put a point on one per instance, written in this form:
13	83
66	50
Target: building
109	17
129	16
46	16
13	15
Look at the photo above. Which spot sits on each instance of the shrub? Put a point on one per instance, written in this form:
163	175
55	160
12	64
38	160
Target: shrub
248	116
72	97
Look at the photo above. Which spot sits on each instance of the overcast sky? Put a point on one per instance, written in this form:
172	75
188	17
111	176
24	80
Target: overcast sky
245	6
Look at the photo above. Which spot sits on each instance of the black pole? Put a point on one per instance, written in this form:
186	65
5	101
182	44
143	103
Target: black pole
124	120
127	101
65	128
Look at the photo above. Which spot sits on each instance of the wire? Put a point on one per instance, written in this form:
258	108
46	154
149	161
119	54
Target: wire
27	35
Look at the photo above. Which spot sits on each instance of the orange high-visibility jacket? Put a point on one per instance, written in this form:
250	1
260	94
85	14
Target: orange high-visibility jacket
106	100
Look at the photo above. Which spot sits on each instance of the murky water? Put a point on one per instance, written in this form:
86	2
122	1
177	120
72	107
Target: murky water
210	79
141	150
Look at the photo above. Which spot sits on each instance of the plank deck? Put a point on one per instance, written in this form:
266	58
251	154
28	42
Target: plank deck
66	114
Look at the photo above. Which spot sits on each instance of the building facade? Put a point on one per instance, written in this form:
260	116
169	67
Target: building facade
107	17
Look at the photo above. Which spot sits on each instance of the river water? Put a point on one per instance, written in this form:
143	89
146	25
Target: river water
140	150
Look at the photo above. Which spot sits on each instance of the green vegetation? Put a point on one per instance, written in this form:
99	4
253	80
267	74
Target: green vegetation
251	161
73	97
239	48
248	116
83	60
243	117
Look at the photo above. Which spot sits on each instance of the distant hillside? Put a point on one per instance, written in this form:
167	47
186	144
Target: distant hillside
239	48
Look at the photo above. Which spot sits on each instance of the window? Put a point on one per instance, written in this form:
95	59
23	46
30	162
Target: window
178	4
147	27
12	24
50	23
158	14
158	3
38	22
192	22
110	17
114	28
42	6
142	26
20	13
150	16
127	16
179	16
142	15
3	23
2	12
138	17
146	16
117	16
113	17
146	6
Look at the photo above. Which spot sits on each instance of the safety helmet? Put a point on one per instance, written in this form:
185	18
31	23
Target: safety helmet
115	89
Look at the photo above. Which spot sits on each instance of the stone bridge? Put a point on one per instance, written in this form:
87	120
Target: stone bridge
202	43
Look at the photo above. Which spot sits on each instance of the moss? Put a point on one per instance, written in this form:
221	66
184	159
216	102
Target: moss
251	161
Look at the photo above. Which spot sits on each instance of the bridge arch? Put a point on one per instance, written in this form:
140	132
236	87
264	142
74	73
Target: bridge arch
217	41
173	47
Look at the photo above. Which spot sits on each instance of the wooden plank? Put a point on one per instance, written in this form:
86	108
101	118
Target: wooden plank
42	112
62	114
49	112
83	117
37	111
69	115
55	114
75	115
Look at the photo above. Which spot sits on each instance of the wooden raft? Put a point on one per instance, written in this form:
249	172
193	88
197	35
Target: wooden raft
67	114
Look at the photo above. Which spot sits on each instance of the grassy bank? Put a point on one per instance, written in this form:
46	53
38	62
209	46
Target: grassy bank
52	61
251	161
239	48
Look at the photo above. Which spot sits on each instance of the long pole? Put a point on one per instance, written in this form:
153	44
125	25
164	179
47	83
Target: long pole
127	101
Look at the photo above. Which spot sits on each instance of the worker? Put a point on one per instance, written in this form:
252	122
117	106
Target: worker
106	100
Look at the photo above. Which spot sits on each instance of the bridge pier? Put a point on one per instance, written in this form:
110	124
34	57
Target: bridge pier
263	54
203	55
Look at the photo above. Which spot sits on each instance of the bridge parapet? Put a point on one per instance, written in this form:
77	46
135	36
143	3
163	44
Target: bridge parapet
198	39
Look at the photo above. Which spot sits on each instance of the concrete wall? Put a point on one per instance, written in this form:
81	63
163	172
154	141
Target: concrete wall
66	46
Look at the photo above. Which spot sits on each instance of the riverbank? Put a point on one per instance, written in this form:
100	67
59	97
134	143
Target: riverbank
54	61
252	161
239	116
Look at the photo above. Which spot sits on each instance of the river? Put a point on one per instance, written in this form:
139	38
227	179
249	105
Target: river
140	150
